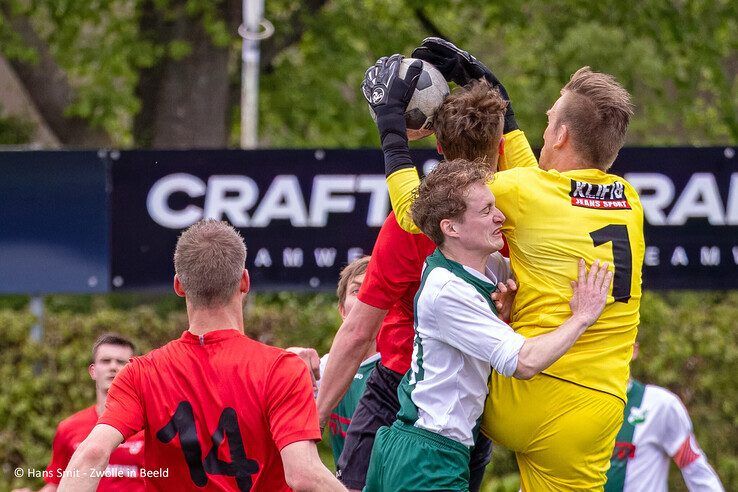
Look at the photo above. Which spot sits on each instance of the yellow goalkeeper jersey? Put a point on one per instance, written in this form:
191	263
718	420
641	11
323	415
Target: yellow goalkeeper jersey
552	220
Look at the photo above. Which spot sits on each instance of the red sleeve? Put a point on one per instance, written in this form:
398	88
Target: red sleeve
290	404
124	406
61	453
394	267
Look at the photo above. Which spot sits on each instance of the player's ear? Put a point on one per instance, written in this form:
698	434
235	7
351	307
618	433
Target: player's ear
501	150
448	228
178	289
439	149
562	135
342	310
91	371
245	284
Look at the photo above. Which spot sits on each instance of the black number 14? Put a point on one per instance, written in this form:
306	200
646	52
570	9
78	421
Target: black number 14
183	423
622	257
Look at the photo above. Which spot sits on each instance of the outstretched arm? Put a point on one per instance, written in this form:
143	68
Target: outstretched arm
356	334
92	454
587	304
460	67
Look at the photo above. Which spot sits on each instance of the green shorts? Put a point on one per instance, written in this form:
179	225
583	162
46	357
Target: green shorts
406	458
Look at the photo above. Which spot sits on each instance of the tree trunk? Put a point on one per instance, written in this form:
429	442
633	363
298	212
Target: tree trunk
48	87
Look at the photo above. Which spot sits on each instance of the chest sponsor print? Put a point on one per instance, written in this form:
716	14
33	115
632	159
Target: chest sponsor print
602	196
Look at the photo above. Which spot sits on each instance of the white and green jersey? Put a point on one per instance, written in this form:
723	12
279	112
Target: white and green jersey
656	426
458	340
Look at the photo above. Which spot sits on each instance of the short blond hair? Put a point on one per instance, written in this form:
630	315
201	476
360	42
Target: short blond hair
209	260
348	273
442	194
597	115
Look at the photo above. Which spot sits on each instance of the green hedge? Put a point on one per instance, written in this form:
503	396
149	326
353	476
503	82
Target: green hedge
688	343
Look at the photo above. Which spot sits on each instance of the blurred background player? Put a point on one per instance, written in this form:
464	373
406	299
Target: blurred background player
467	126
213	384
459	337
349	283
110	353
656	427
562	423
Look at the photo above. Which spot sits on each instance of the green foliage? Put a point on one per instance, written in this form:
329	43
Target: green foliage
15	131
677	58
688	344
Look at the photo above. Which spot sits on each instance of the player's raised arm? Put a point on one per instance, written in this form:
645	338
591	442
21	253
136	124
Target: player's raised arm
90	460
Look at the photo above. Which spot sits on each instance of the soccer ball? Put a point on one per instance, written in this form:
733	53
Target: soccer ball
430	92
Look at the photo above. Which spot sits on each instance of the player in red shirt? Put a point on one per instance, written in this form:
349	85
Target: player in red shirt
110	353
220	411
392	279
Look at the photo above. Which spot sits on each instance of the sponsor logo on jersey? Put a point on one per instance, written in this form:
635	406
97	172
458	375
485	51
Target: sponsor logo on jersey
602	196
637	416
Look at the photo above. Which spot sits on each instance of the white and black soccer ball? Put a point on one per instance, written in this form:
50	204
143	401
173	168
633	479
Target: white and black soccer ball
430	92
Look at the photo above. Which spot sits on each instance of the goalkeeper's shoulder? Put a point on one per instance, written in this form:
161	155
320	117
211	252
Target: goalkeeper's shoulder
518	152
402	184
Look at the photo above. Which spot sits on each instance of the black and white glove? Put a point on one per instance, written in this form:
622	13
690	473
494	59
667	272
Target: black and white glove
388	95
460	67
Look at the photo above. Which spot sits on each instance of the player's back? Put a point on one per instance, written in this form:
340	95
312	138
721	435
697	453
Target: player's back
218	409
553	220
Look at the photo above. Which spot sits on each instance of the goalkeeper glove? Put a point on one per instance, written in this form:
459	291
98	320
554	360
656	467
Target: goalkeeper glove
388	95
460	67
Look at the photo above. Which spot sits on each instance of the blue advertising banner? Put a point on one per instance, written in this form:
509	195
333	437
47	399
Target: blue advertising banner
54	223
306	213
74	222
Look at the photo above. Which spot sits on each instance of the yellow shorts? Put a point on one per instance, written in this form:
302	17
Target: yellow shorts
563	434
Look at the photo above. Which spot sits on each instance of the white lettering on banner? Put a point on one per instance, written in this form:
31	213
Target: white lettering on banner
651	257
292	257
353	254
231	197
325	257
158	198
699	199
283	200
263	258
323	201
710	256
735	254
679	257
379	203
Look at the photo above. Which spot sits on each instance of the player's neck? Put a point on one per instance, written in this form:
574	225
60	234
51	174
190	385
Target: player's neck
204	320
100	403
568	160
473	259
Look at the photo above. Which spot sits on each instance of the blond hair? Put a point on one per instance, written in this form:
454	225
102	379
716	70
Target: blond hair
348	273
469	123
209	260
442	194
596	113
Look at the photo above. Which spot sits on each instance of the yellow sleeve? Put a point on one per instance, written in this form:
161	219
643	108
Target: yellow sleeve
517	152
505	186
402	185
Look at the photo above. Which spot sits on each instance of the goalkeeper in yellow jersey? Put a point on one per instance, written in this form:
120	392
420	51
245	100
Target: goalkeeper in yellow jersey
561	423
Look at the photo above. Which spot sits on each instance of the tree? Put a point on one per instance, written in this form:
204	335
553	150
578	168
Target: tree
165	73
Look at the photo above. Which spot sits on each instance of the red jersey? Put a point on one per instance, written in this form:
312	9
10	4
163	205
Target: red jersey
126	460
391	281
216	410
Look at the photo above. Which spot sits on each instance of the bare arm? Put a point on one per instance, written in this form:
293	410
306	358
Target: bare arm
587	304
303	470
352	341
49	487
92	454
